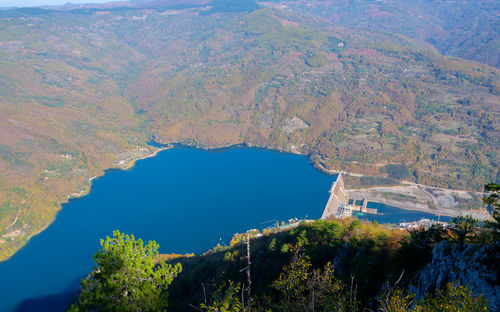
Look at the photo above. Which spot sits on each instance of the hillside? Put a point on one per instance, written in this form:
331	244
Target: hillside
83	90
341	265
367	257
466	29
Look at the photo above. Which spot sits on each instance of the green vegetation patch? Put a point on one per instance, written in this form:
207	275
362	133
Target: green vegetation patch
315	60
230	6
397	171
374	181
354	182
50	101
13	158
6	209
366	257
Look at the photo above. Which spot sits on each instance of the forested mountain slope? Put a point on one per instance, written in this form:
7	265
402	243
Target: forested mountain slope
84	89
467	29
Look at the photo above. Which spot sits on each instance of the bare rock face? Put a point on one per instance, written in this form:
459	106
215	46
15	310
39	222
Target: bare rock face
476	266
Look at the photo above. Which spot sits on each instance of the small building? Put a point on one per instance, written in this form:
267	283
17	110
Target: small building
344	211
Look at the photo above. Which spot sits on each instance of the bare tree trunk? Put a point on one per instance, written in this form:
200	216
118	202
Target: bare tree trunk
249	281
243	297
312	300
204	293
351	294
392	288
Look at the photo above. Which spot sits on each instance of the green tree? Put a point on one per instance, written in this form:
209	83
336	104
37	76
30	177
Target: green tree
225	299
398	300
426	238
455	298
462	227
126	277
493	200
301	289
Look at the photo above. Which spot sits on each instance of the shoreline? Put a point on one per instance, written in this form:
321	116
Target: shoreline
416	198
481	214
127	165
476	214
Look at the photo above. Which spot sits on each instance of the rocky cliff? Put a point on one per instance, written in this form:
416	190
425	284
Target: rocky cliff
477	266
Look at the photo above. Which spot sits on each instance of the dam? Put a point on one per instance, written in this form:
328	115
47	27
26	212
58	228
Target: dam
339	204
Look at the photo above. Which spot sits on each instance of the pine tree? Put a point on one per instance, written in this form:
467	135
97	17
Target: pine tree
126	278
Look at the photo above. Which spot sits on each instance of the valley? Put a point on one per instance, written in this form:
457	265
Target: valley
84	89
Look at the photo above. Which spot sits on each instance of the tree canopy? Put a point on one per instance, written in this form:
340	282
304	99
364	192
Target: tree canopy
493	200
126	277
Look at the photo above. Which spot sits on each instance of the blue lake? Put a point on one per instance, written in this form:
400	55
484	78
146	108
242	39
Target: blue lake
187	200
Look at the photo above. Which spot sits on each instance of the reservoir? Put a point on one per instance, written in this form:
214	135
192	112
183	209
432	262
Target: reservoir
185	199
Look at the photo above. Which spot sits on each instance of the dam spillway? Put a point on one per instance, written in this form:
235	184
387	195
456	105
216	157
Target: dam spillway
338	197
339	204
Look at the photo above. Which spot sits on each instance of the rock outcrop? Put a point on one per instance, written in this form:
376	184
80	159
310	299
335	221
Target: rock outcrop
475	265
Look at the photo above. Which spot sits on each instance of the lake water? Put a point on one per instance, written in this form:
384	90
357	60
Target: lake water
187	200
